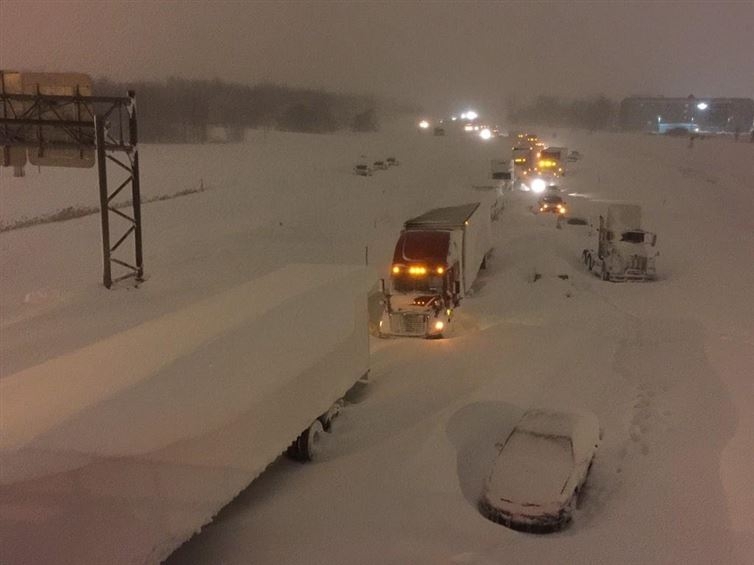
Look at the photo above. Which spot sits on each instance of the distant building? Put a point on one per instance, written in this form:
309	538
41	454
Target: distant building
660	114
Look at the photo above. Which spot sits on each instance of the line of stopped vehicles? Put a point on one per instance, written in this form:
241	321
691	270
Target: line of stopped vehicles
365	169
440	253
624	250
542	465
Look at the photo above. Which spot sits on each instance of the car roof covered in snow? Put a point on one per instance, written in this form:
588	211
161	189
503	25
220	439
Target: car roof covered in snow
581	427
531	468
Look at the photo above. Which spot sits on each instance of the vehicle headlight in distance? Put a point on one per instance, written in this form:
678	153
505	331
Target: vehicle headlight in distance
439	325
538	185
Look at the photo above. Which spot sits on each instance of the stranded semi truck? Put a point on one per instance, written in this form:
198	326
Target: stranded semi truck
436	261
552	160
624	249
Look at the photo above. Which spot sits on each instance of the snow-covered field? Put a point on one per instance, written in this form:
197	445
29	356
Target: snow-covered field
666	366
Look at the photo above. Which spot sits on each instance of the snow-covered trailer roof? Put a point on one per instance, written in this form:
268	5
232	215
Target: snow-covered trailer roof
449	217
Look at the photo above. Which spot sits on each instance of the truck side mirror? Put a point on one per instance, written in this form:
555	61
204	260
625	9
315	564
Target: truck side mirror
456	293
386	301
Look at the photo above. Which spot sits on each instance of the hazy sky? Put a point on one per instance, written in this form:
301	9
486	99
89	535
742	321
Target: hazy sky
442	55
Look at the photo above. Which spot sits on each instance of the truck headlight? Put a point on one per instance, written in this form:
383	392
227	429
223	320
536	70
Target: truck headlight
439	325
538	185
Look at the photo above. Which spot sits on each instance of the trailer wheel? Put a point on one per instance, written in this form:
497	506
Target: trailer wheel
307	445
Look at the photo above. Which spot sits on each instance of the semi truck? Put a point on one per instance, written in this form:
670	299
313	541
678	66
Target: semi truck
119	450
521	164
437	259
625	251
552	161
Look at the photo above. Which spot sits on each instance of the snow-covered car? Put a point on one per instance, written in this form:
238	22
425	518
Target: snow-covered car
551	202
392	162
540	471
573	156
379	165
363	170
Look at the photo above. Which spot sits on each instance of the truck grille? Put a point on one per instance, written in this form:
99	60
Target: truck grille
638	263
408	324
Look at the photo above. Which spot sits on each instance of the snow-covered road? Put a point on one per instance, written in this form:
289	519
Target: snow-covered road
665	366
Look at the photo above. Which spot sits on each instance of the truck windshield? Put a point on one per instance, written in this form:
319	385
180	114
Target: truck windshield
632	236
431	284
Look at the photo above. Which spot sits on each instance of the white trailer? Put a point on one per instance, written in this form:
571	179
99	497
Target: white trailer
436	261
119	451
624	249
491	197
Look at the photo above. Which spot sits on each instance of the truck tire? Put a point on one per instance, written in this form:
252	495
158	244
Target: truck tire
307	445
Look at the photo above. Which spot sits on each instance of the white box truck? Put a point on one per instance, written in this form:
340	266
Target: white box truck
119	451
435	263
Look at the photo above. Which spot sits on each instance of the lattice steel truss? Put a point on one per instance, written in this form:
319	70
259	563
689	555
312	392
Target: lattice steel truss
105	127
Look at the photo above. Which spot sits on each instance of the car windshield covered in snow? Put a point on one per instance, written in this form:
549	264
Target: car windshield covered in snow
533	467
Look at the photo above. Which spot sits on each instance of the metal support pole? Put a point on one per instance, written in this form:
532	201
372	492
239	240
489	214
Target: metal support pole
133	135
99	139
136	198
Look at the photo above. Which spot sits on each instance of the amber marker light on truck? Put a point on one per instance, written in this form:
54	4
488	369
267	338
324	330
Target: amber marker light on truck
396	269
417	270
440	270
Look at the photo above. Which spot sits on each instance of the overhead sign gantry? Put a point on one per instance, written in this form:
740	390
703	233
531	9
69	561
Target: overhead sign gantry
52	120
